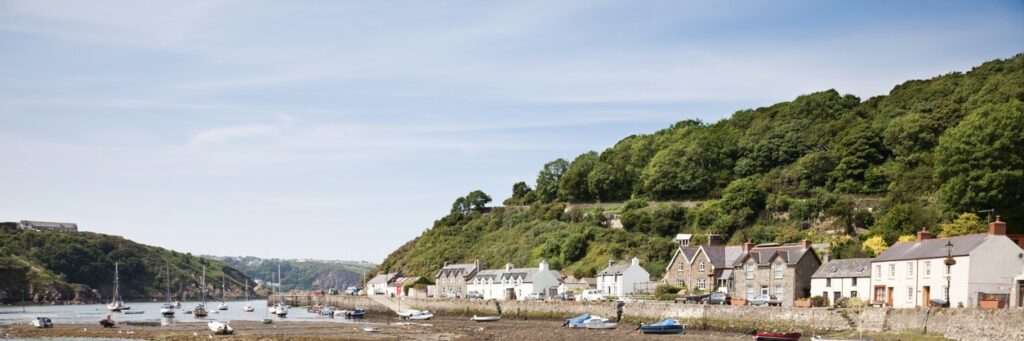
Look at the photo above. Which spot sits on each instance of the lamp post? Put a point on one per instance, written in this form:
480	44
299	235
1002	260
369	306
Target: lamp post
949	263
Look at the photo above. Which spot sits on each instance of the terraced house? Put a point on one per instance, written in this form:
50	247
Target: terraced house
780	270
452	278
705	267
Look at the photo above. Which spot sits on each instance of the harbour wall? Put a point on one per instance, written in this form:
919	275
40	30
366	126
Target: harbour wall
956	323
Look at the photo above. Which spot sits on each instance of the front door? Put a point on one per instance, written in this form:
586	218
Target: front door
764	290
888	297
835	297
1020	295
926	296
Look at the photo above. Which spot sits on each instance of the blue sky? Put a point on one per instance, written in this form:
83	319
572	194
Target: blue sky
341	130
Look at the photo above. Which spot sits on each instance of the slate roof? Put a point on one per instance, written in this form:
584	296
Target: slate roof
526	274
689	251
382	278
615	269
763	255
844	268
466	270
934	248
402	281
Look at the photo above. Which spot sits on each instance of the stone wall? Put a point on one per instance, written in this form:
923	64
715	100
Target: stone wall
958	324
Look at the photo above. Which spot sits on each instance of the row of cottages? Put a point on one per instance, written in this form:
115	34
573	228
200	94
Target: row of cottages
514	283
452	278
911	274
782	270
623	279
378	285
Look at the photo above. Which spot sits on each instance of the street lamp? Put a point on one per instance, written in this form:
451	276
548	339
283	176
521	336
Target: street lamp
949	263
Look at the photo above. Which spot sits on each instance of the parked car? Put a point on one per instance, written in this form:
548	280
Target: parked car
769	300
695	298
570	297
716	298
474	295
593	295
534	296
352	291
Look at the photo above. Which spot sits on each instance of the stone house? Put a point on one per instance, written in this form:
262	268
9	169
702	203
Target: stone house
910	274
514	283
622	279
703	268
452	278
839	278
781	270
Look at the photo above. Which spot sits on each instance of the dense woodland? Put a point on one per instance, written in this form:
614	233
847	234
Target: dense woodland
302	274
79	266
945	153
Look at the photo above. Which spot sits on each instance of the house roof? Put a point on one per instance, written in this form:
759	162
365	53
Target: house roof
844	268
402	281
466	270
382	278
934	248
689	252
526	274
764	255
722	256
615	269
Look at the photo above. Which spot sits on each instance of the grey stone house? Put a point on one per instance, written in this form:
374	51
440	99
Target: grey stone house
452	278
703	268
781	270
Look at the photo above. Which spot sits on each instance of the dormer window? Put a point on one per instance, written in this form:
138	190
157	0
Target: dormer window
780	270
750	270
700	266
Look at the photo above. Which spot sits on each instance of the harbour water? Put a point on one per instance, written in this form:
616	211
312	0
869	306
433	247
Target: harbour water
91	313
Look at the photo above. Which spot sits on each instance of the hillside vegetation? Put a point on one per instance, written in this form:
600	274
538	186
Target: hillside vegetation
825	166
302	274
79	267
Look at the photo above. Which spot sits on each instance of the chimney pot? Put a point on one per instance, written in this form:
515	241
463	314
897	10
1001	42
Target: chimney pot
997	228
806	243
610	262
747	246
445	265
923	234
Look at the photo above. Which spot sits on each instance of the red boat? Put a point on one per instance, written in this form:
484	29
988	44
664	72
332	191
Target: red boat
107	322
773	336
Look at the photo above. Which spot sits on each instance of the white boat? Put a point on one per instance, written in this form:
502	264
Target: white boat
423	315
248	307
168	308
280	309
222	328
42	322
369	329
117	304
328	311
223	296
408	313
485	318
598	322
200	310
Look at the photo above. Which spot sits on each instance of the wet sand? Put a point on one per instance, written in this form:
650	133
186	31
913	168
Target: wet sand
438	329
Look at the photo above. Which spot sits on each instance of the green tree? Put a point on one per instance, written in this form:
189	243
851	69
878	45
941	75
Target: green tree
477	200
912	133
573	187
980	162
966	223
548	180
903	219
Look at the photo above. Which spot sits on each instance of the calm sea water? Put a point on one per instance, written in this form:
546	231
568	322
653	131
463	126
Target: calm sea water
92	313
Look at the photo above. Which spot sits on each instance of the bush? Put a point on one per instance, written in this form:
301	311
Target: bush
850	302
666	289
819	301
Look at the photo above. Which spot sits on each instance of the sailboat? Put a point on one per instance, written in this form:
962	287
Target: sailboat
223	296
168	308
248	307
280	309
117	304
200	310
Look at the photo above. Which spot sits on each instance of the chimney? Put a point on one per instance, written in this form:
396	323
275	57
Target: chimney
635	261
997	228
508	266
747	246
806	243
543	265
610	262
445	264
923	234
477	264
714	239
825	257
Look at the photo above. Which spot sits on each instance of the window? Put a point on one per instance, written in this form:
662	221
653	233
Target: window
927	268
701	285
828	282
854	281
780	269
910	294
878	271
892	270
701	266
910	269
853	293
750	291
778	291
750	270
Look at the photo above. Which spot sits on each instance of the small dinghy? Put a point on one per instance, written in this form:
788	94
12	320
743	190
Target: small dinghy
42	322
369	329
576	322
221	328
408	313
107	322
491	318
668	326
422	315
597	322
356	313
327	311
134	312
775	336
267	321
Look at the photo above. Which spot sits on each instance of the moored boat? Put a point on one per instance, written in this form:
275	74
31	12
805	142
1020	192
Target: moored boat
42	322
168	308
820	338
576	322
107	322
597	322
280	309
222	328
200	310
134	312
775	336
117	304
248	307
223	296
490	318
668	326
423	315
356	313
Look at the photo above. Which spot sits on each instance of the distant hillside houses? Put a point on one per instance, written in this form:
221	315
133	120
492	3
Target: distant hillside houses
48	226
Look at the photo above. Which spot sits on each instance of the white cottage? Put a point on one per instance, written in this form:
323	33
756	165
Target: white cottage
621	279
378	285
839	278
910	274
514	283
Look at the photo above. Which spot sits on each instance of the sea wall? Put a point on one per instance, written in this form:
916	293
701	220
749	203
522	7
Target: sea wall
958	324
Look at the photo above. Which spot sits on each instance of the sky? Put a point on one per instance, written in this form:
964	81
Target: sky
343	129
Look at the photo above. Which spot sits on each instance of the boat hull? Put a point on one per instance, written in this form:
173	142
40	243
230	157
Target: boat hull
772	336
486	318
221	328
662	329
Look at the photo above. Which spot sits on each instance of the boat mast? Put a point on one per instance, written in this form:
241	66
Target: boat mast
279	289
117	280
168	283
223	294
204	285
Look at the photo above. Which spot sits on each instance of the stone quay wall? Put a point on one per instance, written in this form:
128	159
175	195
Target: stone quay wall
957	323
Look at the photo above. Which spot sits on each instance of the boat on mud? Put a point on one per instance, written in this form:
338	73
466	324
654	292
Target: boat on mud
668	326
222	328
775	336
42	322
490	318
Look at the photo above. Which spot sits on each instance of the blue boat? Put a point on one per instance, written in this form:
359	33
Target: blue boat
358	312
576	322
668	326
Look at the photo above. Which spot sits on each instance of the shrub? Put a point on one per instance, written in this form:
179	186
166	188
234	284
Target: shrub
666	289
819	301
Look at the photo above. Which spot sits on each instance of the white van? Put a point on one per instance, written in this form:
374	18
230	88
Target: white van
593	295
